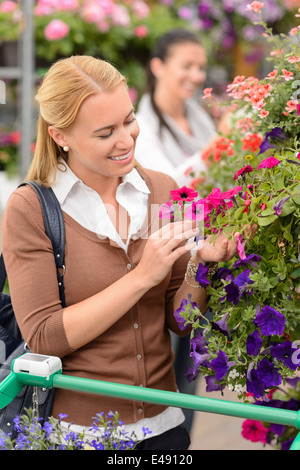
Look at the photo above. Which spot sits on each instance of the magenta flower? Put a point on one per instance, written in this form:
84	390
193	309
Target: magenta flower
198	210
231	192
166	211
254	431
183	194
242	171
240	247
269	162
214	199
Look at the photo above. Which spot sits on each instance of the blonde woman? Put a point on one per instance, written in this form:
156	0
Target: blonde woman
124	275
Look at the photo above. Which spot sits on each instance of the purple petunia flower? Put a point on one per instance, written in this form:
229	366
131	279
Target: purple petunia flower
224	273
253	343
198	341
236	288
277	429
200	359
221	325
201	275
270	321
177	314
268	374
254	384
278	206
251	259
232	293
211	384
221	365
276	135
286	353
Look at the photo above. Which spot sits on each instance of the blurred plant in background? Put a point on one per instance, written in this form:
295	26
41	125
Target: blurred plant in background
9	142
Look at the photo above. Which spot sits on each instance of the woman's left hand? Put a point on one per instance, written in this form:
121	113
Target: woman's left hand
223	248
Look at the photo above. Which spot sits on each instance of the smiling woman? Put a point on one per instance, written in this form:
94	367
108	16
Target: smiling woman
121	286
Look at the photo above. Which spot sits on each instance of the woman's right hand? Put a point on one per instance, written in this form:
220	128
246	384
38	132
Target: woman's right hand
163	248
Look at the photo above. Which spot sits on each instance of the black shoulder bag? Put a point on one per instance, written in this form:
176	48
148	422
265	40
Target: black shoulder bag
12	344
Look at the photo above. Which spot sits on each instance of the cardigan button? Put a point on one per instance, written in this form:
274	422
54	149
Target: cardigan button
140	411
135	325
139	357
129	266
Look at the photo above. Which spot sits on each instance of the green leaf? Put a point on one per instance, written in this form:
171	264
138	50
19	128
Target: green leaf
264	221
296	194
287	208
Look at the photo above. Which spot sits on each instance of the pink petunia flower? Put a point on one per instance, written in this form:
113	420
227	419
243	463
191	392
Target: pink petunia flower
254	431
197	210
231	192
269	162
183	194
240	247
242	171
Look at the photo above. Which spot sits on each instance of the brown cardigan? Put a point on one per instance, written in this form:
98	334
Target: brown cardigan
136	350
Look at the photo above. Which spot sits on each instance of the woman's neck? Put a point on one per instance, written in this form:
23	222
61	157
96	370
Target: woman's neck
170	105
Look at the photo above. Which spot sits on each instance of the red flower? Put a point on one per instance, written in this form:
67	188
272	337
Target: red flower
254	431
252	142
242	171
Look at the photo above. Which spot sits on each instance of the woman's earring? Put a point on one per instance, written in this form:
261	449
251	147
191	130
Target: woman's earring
66	148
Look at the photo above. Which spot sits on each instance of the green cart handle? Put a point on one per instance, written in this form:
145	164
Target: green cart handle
53	378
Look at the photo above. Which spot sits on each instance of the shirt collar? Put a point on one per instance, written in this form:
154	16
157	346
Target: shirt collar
135	179
65	181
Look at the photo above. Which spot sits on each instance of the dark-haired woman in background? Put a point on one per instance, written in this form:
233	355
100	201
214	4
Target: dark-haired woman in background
174	127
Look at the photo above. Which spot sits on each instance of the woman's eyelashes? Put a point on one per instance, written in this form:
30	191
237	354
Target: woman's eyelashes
106	136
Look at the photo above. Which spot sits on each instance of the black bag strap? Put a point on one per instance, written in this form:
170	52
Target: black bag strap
2	273
55	230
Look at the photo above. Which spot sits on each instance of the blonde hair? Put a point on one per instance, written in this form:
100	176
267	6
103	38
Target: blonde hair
65	86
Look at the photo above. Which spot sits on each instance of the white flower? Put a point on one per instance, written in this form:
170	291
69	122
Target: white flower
233	374
238	388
